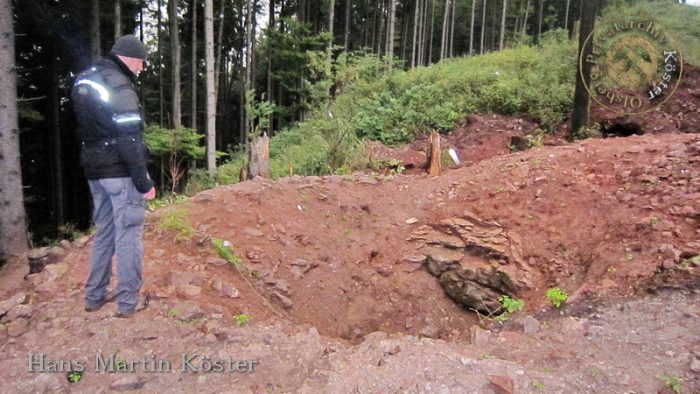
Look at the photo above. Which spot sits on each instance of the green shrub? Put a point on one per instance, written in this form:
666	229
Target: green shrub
557	296
176	220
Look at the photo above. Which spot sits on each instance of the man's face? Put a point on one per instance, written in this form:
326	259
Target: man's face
134	64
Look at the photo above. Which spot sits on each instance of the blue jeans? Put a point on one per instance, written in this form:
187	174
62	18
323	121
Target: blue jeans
118	214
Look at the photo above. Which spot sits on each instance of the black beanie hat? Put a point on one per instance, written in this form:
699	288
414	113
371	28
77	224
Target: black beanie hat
129	46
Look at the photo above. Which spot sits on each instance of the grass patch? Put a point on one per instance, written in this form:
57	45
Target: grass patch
176	220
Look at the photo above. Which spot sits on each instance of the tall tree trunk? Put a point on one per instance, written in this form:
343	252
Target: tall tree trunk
432	24
580	112
331	17
503	25
248	66
57	143
219	44
538	33
160	64
194	68
471	30
95	48
175	58
415	34
271	25
452	27
117	19
483	26
527	9
422	32
13	228
390	32
443	40
211	91
348	9
566	15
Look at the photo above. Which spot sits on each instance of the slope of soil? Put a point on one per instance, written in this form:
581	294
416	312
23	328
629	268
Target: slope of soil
327	263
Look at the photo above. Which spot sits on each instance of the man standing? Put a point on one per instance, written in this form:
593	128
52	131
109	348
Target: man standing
114	157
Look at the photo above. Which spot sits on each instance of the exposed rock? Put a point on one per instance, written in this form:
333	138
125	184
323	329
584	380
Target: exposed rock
411	221
531	325
57	251
65	244
56	271
46	383
187	311
82	241
501	384
128	383
286	302
474	290
440	260
225	289
38	254
18	327
10	303
188	291
19	311
479	336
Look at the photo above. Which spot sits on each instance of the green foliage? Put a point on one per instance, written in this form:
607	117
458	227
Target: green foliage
183	141
537	385
242	318
75	376
176	220
672	382
166	201
392	106
258	113
223	249
509	306
695	261
557	296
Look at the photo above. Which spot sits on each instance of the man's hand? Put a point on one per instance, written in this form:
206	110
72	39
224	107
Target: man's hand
150	195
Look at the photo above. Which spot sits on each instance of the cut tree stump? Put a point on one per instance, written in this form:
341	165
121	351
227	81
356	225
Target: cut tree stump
434	159
258	159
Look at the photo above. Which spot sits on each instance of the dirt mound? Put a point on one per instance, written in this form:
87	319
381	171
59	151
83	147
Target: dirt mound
324	262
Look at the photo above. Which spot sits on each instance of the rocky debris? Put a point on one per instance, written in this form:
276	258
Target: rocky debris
253	232
128	383
501	384
411	221
82	241
158	253
187	311
46	383
188	291
531	325
300	267
225	288
55	271
284	300
8	304
477	261
18	327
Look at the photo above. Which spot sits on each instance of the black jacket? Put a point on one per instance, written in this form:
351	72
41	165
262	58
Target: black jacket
110	124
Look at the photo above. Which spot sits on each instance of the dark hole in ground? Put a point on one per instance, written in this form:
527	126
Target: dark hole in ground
621	128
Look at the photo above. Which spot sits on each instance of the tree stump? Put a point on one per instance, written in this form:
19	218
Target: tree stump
434	159
259	158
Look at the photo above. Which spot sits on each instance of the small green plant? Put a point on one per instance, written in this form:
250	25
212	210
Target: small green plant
121	365
485	356
557	296
75	376
536	139
177	221
537	385
672	382
509	306
173	312
223	249
242	318
686	263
